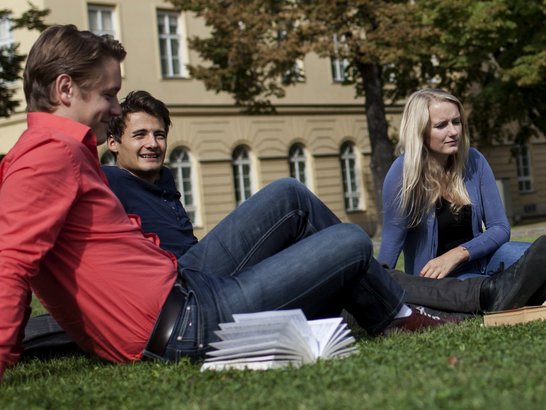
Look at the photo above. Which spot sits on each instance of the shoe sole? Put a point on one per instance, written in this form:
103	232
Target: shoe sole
531	275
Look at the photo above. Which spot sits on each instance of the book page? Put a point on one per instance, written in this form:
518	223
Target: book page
246	337
296	316
323	330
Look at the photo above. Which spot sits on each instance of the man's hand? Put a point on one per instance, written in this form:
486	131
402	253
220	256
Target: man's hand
441	266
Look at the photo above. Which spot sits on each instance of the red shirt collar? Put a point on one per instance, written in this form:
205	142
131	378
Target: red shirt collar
76	130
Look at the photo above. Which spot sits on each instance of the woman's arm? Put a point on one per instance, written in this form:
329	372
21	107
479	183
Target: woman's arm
394	225
489	209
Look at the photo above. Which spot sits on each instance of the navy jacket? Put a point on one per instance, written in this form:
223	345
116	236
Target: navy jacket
158	206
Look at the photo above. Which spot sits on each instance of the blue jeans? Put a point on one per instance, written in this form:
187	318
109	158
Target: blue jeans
504	257
281	249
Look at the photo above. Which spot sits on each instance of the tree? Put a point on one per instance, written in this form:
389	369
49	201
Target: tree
493	54
255	44
489	53
10	60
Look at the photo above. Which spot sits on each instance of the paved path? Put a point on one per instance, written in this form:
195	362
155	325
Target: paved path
534	229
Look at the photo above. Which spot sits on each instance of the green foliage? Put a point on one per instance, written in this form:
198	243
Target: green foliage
491	53
10	60
462	366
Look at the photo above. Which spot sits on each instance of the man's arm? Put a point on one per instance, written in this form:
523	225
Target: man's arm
37	189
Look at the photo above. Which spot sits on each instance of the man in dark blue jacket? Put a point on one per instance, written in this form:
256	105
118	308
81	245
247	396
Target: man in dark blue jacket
138	140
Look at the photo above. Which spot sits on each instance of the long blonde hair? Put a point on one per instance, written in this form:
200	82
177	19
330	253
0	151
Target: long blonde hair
424	180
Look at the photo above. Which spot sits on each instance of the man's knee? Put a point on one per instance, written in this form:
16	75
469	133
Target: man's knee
287	184
353	235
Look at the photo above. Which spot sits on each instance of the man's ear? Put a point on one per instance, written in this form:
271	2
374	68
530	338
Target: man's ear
112	144
63	90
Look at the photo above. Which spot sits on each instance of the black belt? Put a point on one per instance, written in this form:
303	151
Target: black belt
164	326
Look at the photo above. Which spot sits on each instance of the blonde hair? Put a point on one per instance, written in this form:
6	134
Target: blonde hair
425	181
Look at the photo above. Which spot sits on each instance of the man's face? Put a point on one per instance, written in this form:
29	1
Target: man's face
142	147
96	106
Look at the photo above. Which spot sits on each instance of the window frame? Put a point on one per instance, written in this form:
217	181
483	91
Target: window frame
351	180
239	165
7	45
101	9
297	161
170	71
523	169
339	65
177	165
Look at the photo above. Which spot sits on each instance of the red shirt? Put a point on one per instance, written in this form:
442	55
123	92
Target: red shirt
65	236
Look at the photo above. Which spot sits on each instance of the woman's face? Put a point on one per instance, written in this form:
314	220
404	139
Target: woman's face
444	130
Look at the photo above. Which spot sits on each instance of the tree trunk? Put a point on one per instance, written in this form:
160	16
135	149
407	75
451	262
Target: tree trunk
381	146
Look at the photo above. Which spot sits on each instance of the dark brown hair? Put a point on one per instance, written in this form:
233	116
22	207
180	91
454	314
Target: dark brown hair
138	101
65	50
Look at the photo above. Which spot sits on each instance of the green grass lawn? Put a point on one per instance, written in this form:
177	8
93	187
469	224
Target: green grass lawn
464	366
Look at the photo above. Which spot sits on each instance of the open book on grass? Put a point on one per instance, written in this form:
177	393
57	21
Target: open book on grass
266	340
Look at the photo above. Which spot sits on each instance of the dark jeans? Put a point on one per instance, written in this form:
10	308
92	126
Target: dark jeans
281	249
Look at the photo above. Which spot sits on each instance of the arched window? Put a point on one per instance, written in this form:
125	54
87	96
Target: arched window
298	163
181	167
242	179
108	158
350	175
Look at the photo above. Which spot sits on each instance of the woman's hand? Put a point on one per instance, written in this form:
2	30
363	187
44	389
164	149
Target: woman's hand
441	266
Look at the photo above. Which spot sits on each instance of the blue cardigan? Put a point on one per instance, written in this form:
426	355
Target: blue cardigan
158	206
420	243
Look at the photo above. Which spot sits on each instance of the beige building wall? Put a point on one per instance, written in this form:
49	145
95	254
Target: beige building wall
318	113
528	204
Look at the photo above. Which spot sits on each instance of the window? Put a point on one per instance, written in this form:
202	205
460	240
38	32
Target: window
339	65
350	176
339	69
242	179
6	38
172	53
7	51
298	161
181	166
296	72
525	182
108	158
101	20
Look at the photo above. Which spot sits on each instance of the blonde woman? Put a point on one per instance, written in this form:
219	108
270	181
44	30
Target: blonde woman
440	194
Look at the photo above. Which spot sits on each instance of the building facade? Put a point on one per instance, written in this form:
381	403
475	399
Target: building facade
219	155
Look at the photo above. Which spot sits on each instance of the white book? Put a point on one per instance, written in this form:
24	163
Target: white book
267	340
